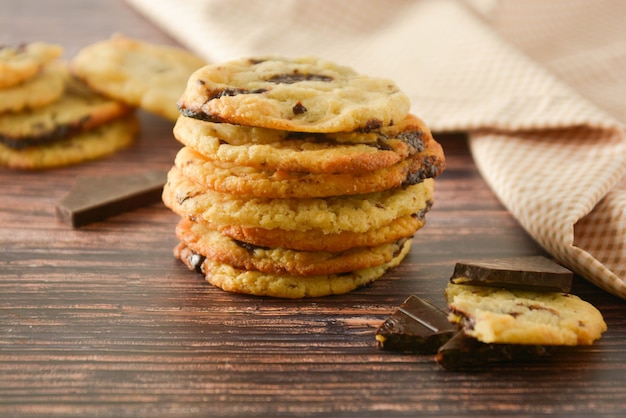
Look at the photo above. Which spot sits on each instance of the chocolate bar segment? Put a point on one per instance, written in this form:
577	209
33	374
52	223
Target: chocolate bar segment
526	273
417	326
94	198
462	352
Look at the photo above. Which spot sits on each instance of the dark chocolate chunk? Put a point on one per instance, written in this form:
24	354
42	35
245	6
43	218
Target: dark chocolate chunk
430	167
417	326
299	108
218	93
296	77
249	247
462	352
421	214
94	198
525	273
371	125
414	139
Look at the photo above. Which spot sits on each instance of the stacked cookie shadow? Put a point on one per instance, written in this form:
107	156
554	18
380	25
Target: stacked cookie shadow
279	197
50	119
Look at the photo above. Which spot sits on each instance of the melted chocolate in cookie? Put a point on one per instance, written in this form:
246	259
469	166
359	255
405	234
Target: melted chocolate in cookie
372	125
414	139
297	77
216	94
249	247
299	108
431	167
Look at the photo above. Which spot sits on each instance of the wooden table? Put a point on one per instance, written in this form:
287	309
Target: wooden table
103	321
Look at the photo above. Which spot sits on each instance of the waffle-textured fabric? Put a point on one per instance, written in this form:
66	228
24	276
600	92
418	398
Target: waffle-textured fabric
538	86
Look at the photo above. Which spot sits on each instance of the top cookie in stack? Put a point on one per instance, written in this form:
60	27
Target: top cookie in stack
298	177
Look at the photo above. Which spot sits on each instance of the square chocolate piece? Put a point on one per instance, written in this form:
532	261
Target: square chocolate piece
94	198
535	273
417	326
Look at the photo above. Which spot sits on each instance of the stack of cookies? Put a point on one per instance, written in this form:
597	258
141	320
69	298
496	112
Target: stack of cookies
54	114
48	119
298	177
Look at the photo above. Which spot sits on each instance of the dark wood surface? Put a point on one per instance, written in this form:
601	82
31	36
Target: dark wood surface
103	321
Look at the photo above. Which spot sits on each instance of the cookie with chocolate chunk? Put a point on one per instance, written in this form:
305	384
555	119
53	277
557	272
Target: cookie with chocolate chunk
345	152
137	73
509	316
317	240
276	260
254	282
231	178
357	213
22	62
42	89
79	109
89	145
305	94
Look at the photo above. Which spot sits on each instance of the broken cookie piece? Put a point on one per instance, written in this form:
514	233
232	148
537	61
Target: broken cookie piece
510	316
417	326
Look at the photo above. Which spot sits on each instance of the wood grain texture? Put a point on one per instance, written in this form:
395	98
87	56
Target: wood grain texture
103	321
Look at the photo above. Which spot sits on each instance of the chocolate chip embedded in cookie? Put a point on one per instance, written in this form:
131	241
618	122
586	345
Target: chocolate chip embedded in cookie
243	180
301	94
346	152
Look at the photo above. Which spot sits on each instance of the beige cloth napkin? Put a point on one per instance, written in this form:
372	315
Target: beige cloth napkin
539	87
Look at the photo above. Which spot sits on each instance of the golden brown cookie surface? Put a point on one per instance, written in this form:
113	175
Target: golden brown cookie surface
256	283
95	143
495	315
77	110
328	153
276	260
137	73
19	63
294	94
244	180
317	240
40	90
358	213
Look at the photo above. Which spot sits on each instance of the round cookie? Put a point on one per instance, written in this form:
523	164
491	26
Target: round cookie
507	316
253	282
77	110
137	73
20	63
294	94
44	88
358	213
316	240
96	143
222	249
346	152
230	178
